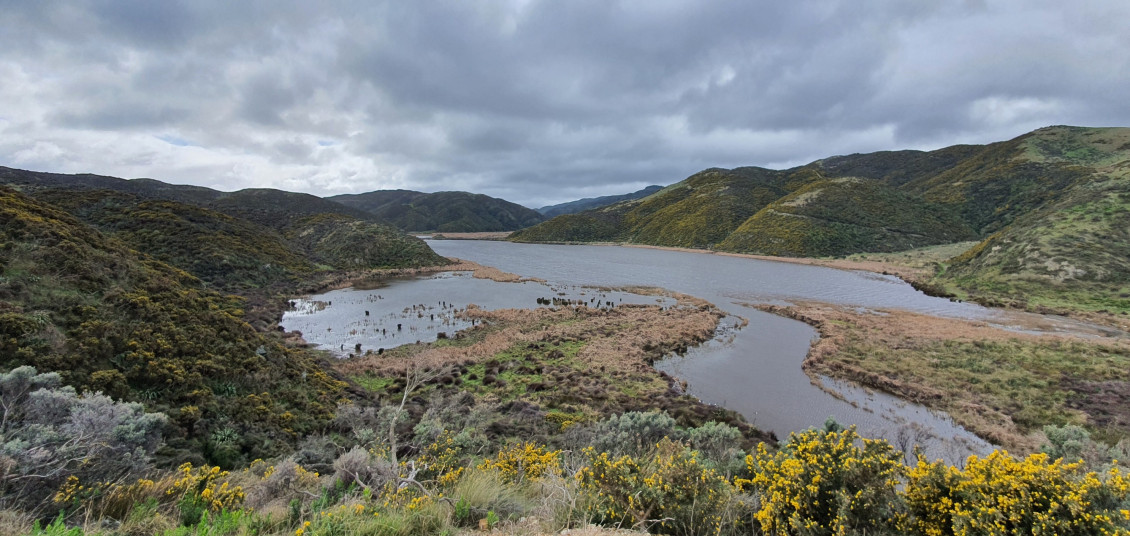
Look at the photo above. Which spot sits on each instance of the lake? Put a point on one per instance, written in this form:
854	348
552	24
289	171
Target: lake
755	370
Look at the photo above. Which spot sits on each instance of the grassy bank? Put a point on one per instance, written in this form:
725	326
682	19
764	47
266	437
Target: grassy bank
1002	385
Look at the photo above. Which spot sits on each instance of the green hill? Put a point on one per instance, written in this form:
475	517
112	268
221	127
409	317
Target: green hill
703	209
1050	205
225	252
697	212
451	212
245	239
1074	248
843	216
351	244
896	168
77	302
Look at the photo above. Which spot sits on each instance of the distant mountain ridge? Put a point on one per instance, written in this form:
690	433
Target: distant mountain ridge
588	203
451	212
1052	206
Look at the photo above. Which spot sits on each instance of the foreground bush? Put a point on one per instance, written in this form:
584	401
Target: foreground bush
49	435
827	482
1001	495
670	492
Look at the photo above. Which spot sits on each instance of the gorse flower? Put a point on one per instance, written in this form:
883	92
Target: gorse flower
525	461
826	482
998	494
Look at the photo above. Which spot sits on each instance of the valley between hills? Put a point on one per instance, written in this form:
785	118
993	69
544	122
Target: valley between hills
147	387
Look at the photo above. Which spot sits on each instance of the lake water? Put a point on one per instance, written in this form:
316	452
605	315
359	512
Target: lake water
754	370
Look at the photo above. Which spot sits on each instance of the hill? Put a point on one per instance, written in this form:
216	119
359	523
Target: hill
1072	247
843	216
82	304
697	212
1050	207
243	239
225	252
588	203
451	212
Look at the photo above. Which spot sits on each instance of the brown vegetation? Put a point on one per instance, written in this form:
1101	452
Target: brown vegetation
1002	385
626	338
570	364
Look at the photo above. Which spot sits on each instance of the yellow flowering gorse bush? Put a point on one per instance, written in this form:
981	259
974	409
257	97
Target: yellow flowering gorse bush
670	492
206	486
525	461
1000	495
826	482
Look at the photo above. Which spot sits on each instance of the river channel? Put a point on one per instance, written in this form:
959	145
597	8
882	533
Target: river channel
754	370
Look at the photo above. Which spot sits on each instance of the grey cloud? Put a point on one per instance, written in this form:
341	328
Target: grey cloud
538	101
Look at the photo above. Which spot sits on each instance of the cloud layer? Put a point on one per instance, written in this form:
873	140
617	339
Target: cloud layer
535	101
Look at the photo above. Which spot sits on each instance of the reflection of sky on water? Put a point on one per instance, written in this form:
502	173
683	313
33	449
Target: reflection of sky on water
418	310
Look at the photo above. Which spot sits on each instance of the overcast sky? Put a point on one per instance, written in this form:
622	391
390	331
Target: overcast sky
537	102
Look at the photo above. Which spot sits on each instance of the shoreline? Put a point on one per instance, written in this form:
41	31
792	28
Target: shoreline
909	275
924	359
577	362
913	276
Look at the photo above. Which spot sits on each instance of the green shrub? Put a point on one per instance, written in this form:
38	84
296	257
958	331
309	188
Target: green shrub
1000	495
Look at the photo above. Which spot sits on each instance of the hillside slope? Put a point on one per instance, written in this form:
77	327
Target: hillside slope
79	303
1074	249
697	212
451	212
843	216
225	252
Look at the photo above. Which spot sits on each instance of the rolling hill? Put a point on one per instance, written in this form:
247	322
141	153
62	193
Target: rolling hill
1072	248
1050	206
697	212
843	216
223	251
451	212
239	240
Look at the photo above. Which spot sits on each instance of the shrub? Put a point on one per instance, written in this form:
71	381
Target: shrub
1001	495
202	490
51	434
634	432
361	467
827	483
667	492
522	462
286	480
1072	442
718	442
